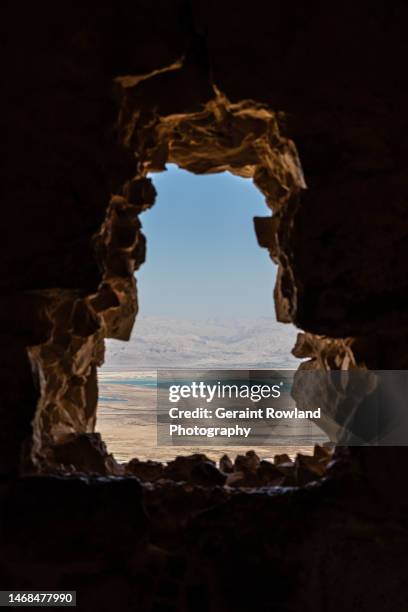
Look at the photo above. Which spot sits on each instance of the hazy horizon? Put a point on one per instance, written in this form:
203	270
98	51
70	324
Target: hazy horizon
257	342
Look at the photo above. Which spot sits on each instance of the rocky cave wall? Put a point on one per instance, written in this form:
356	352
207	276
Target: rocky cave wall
122	107
97	98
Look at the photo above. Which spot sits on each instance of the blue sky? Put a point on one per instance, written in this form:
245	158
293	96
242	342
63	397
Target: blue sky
203	259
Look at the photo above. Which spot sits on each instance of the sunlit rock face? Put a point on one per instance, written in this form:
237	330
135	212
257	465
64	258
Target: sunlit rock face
309	102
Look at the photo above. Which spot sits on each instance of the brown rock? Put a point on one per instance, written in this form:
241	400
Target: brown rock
269	474
181	467
207	474
145	470
309	468
283	458
243	479
235	479
85	453
226	464
342	252
288	470
322	452
247	463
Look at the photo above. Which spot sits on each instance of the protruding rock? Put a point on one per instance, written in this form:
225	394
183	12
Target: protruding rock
247	463
226	464
282	458
181	467
242	479
145	470
322	452
85	453
288	469
207	474
309	468
140	192
269	474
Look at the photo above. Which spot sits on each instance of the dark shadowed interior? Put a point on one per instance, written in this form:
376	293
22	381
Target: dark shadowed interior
309	102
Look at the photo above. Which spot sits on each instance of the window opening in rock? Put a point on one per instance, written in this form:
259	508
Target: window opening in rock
205	300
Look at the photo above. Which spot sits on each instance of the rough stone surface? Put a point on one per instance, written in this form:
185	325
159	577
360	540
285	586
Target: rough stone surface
226	464
145	470
181	467
309	102
83	453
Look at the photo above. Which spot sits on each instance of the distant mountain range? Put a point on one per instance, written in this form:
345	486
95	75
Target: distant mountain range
219	343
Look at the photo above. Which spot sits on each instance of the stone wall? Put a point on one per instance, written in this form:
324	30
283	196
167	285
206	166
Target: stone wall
98	97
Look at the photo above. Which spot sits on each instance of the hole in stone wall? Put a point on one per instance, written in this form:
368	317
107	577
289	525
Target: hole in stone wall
206	300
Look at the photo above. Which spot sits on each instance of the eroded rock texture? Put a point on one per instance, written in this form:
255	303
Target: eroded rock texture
308	101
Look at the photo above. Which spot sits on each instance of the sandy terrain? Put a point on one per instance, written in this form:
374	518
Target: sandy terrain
127	422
